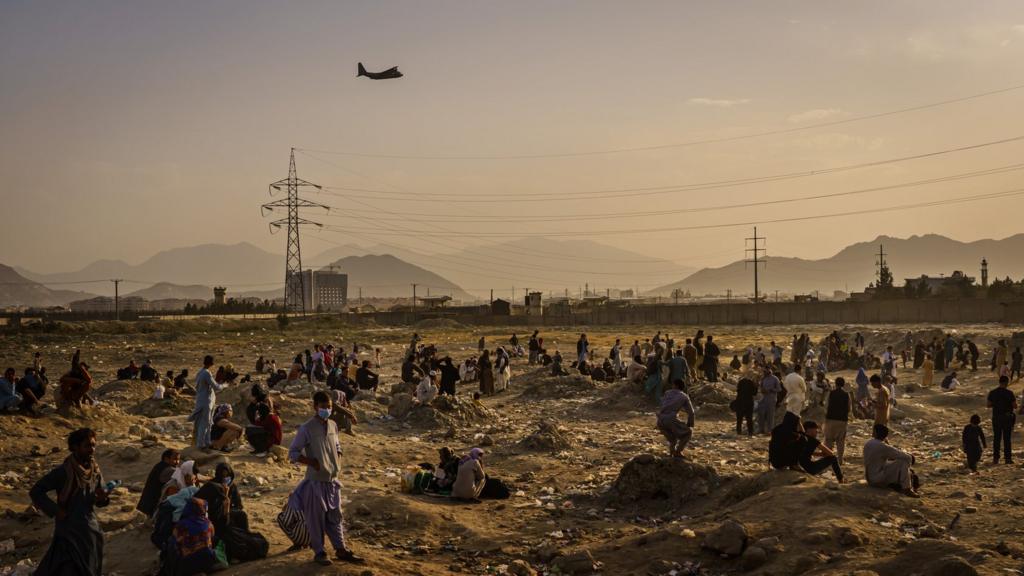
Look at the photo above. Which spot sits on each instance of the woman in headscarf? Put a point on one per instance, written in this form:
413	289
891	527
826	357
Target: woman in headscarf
470	480
486	373
224	432
447	469
502	370
222	498
184	476
653	384
862	385
785	443
193	542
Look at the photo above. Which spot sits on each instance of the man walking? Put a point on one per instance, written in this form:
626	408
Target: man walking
318	496
1004	408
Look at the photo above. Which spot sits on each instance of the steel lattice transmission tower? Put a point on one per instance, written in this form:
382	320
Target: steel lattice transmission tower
294	282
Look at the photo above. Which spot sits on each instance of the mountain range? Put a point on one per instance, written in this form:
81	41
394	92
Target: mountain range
854	267
16	290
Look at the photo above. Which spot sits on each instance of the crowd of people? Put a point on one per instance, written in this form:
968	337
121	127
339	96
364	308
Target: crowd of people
198	516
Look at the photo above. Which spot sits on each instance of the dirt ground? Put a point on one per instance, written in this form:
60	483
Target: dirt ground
569	513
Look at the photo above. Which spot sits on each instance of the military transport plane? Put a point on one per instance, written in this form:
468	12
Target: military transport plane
385	75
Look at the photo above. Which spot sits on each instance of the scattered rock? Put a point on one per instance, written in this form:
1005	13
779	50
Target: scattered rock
129	454
521	568
753	558
579	563
850	537
730	538
950	566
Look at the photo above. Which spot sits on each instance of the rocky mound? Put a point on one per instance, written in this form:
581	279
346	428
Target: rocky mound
549	437
443	412
541	384
649	477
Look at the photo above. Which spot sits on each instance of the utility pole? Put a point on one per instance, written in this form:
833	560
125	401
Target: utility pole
117	300
414	297
492	295
360	294
759	258
294	283
881	261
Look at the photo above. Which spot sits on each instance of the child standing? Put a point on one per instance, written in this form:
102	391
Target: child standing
974	442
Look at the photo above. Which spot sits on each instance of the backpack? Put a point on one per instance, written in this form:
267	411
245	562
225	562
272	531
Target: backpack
243	545
496	489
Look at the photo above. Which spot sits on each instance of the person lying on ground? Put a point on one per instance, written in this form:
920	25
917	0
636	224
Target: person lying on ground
224	432
159	475
886	466
813	447
677	433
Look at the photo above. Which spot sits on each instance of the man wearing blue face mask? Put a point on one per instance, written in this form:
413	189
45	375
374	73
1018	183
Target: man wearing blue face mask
318	496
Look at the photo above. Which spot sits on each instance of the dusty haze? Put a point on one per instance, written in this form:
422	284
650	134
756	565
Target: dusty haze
133	128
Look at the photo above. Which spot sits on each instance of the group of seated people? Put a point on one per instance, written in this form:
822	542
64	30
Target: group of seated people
199	527
23	394
265	428
460	477
794	444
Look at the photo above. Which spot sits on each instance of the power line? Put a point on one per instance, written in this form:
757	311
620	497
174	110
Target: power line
554	196
988	196
666	212
775	132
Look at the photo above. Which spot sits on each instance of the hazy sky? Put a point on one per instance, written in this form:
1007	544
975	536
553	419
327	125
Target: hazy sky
131	127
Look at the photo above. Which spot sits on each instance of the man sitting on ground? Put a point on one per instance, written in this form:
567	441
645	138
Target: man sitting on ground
886	466
813	447
158	477
147	373
9	399
31	388
366	378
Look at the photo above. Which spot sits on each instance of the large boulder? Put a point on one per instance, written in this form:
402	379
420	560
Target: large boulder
400	406
730	538
650	477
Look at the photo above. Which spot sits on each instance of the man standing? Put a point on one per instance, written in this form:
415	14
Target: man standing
582	348
206	399
837	417
1004	408
318	496
678	369
972	349
770	388
796	391
77	543
616	357
711	354
534	347
882	401
690	354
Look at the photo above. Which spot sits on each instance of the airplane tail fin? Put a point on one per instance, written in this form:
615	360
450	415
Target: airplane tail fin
362	71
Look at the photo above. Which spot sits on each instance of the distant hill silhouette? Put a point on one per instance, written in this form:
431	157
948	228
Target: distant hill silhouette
386	276
242	265
536	263
16	290
854	266
164	290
